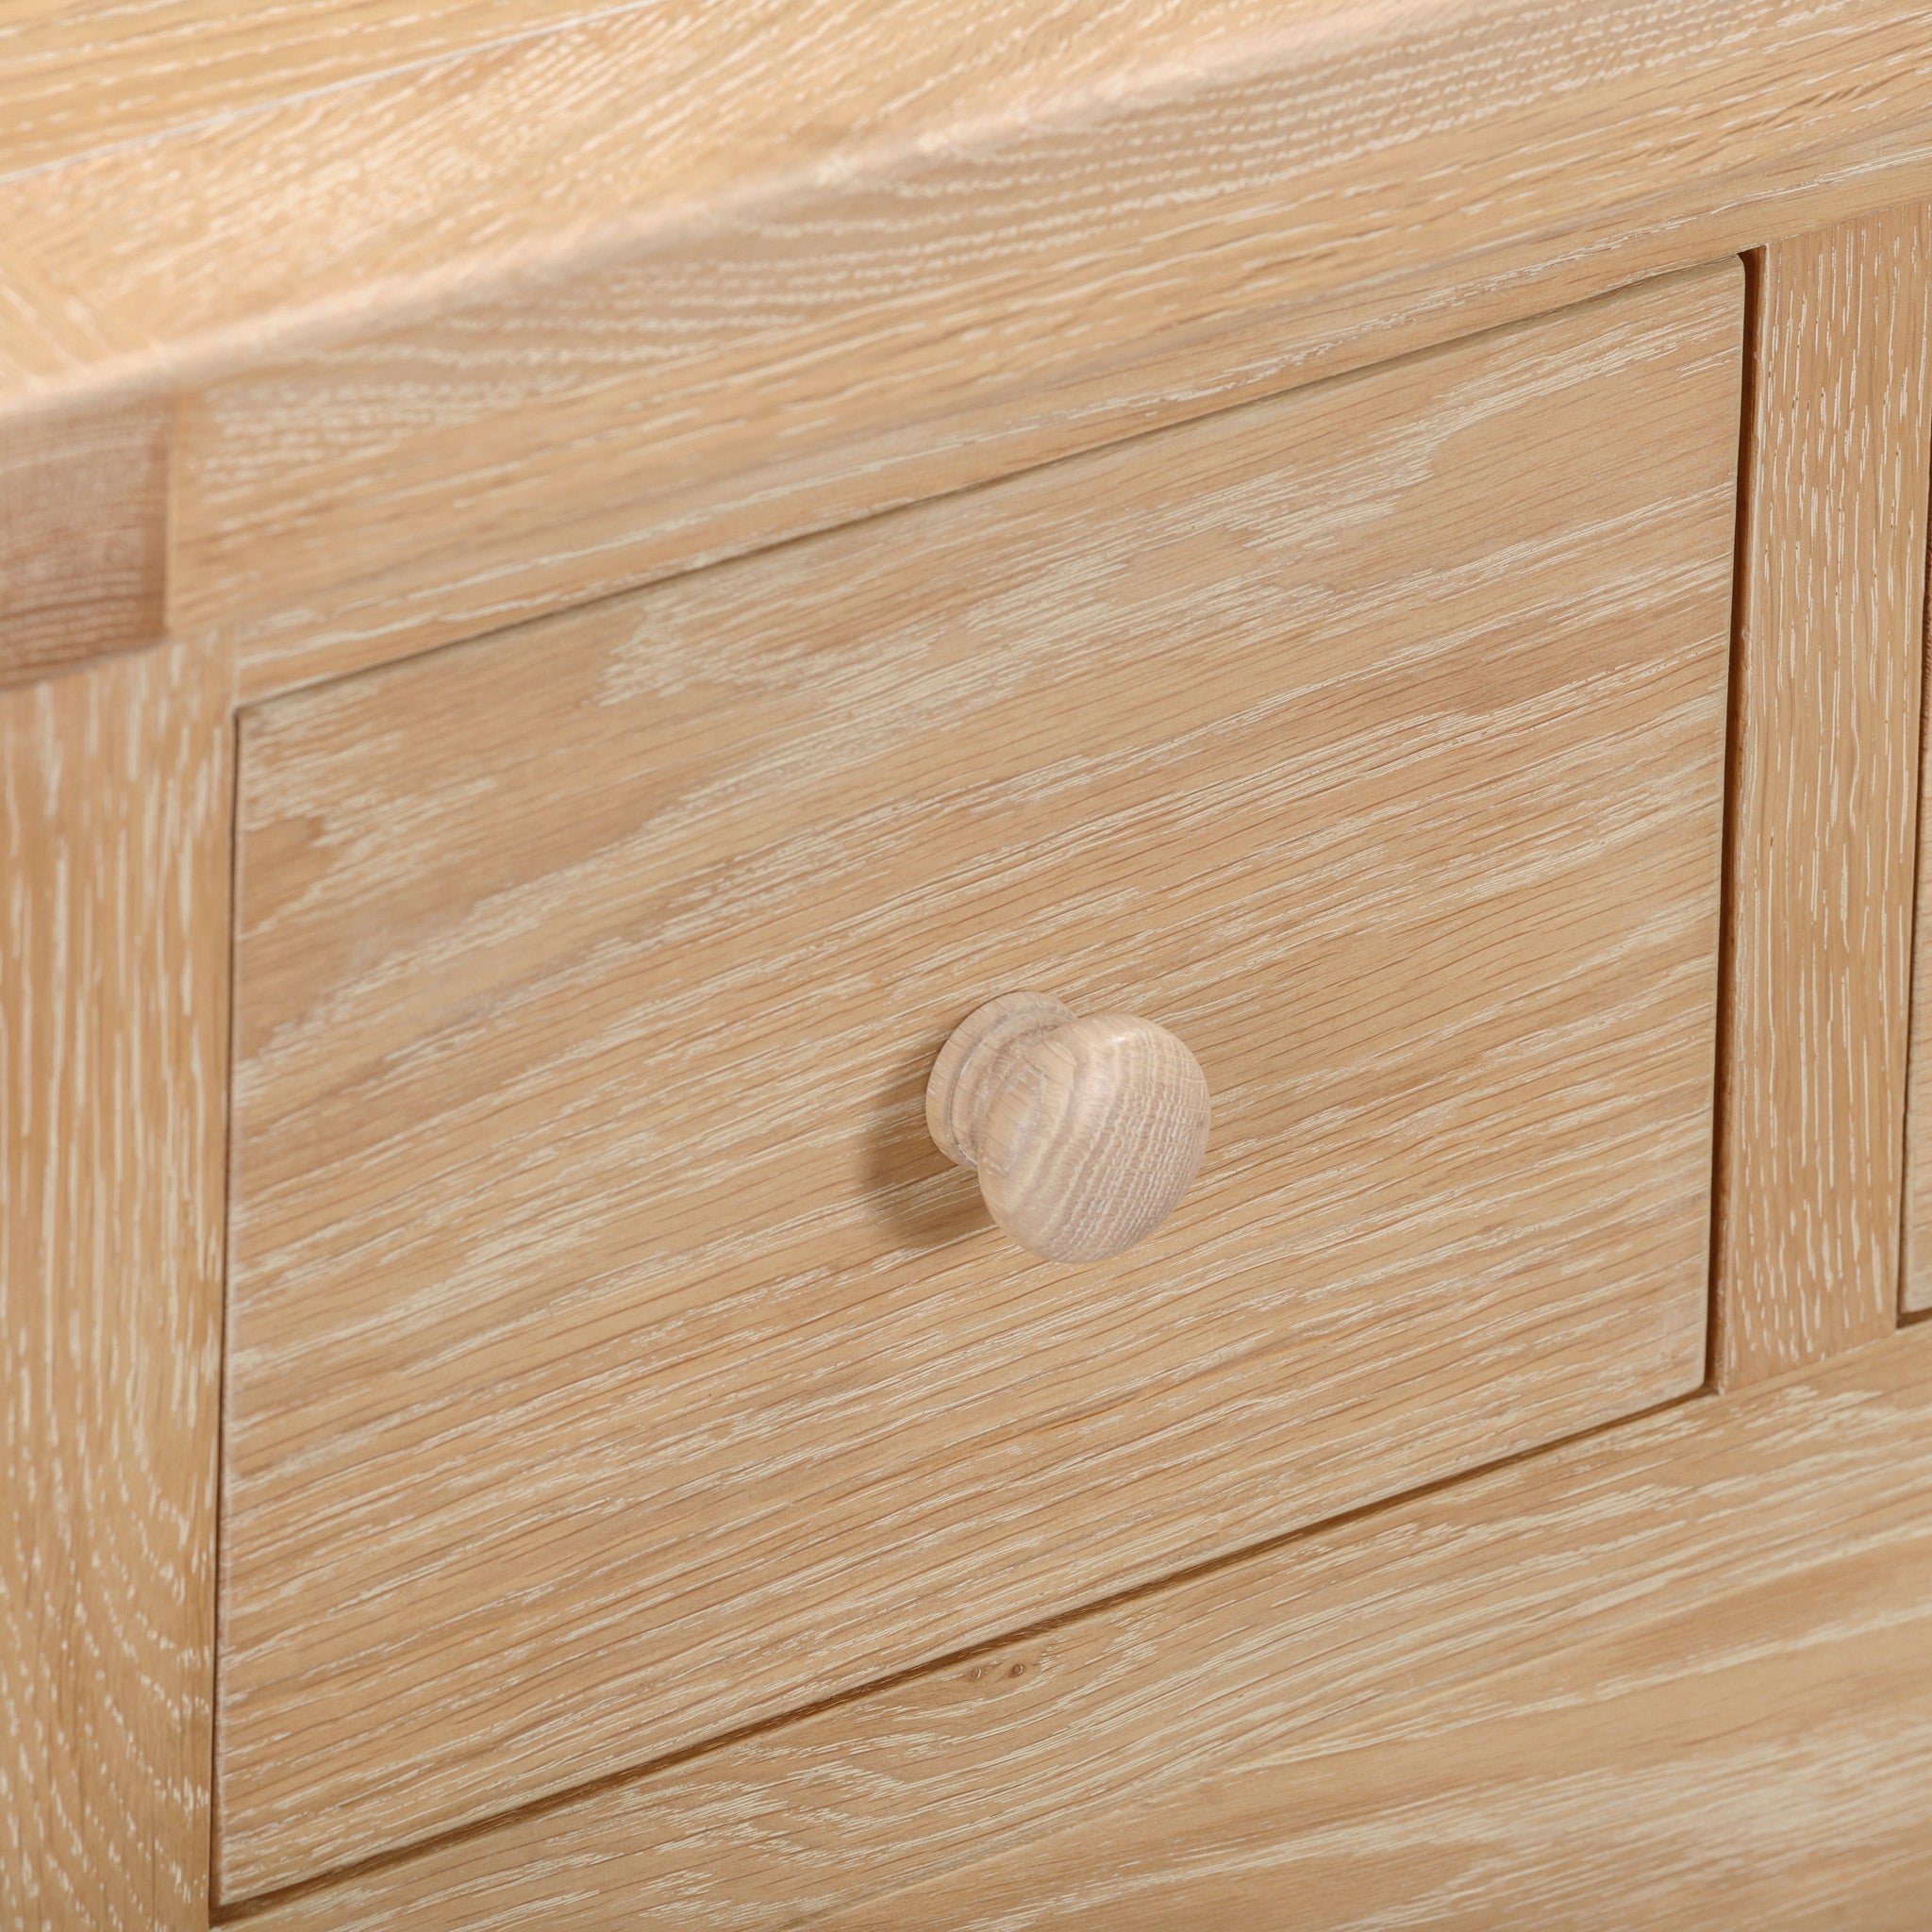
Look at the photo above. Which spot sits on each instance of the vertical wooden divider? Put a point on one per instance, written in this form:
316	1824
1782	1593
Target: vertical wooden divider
116	800
1915	1250
1823	829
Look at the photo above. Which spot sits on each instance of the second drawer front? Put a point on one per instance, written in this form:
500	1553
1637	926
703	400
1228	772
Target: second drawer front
614	1360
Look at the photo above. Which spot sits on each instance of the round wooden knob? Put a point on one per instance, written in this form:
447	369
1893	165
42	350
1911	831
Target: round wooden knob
1086	1133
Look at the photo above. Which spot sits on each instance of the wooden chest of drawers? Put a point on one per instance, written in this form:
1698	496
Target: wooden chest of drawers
576	595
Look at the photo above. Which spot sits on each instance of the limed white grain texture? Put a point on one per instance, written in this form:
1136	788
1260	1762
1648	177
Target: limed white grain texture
1676	1673
1831	594
613	1357
469	322
114	800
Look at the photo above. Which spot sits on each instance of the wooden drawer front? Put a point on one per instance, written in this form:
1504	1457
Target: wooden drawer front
613	1360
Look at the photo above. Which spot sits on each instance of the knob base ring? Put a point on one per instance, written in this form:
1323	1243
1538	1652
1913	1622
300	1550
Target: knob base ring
975	1062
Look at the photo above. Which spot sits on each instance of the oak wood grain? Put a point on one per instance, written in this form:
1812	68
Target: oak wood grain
613	1357
1915	1257
1251	198
1830	607
376	158
489	332
1674	1674
81	76
114	803
1758	1758
83	533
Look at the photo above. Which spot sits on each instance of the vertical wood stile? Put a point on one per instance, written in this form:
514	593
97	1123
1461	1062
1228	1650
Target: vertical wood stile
1826	702
1915	1256
114	808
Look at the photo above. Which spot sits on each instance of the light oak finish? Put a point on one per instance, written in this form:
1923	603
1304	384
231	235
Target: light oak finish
495	331
1155	219
1831	596
81	76
1680	1673
1084	1133
1756	1754
604	1327
1915	1261
83	531
114	805
473	308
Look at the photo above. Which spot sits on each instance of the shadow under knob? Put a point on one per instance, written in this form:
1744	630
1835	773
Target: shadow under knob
1085	1132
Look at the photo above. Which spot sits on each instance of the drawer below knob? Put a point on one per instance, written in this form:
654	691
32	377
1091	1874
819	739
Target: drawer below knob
1085	1132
